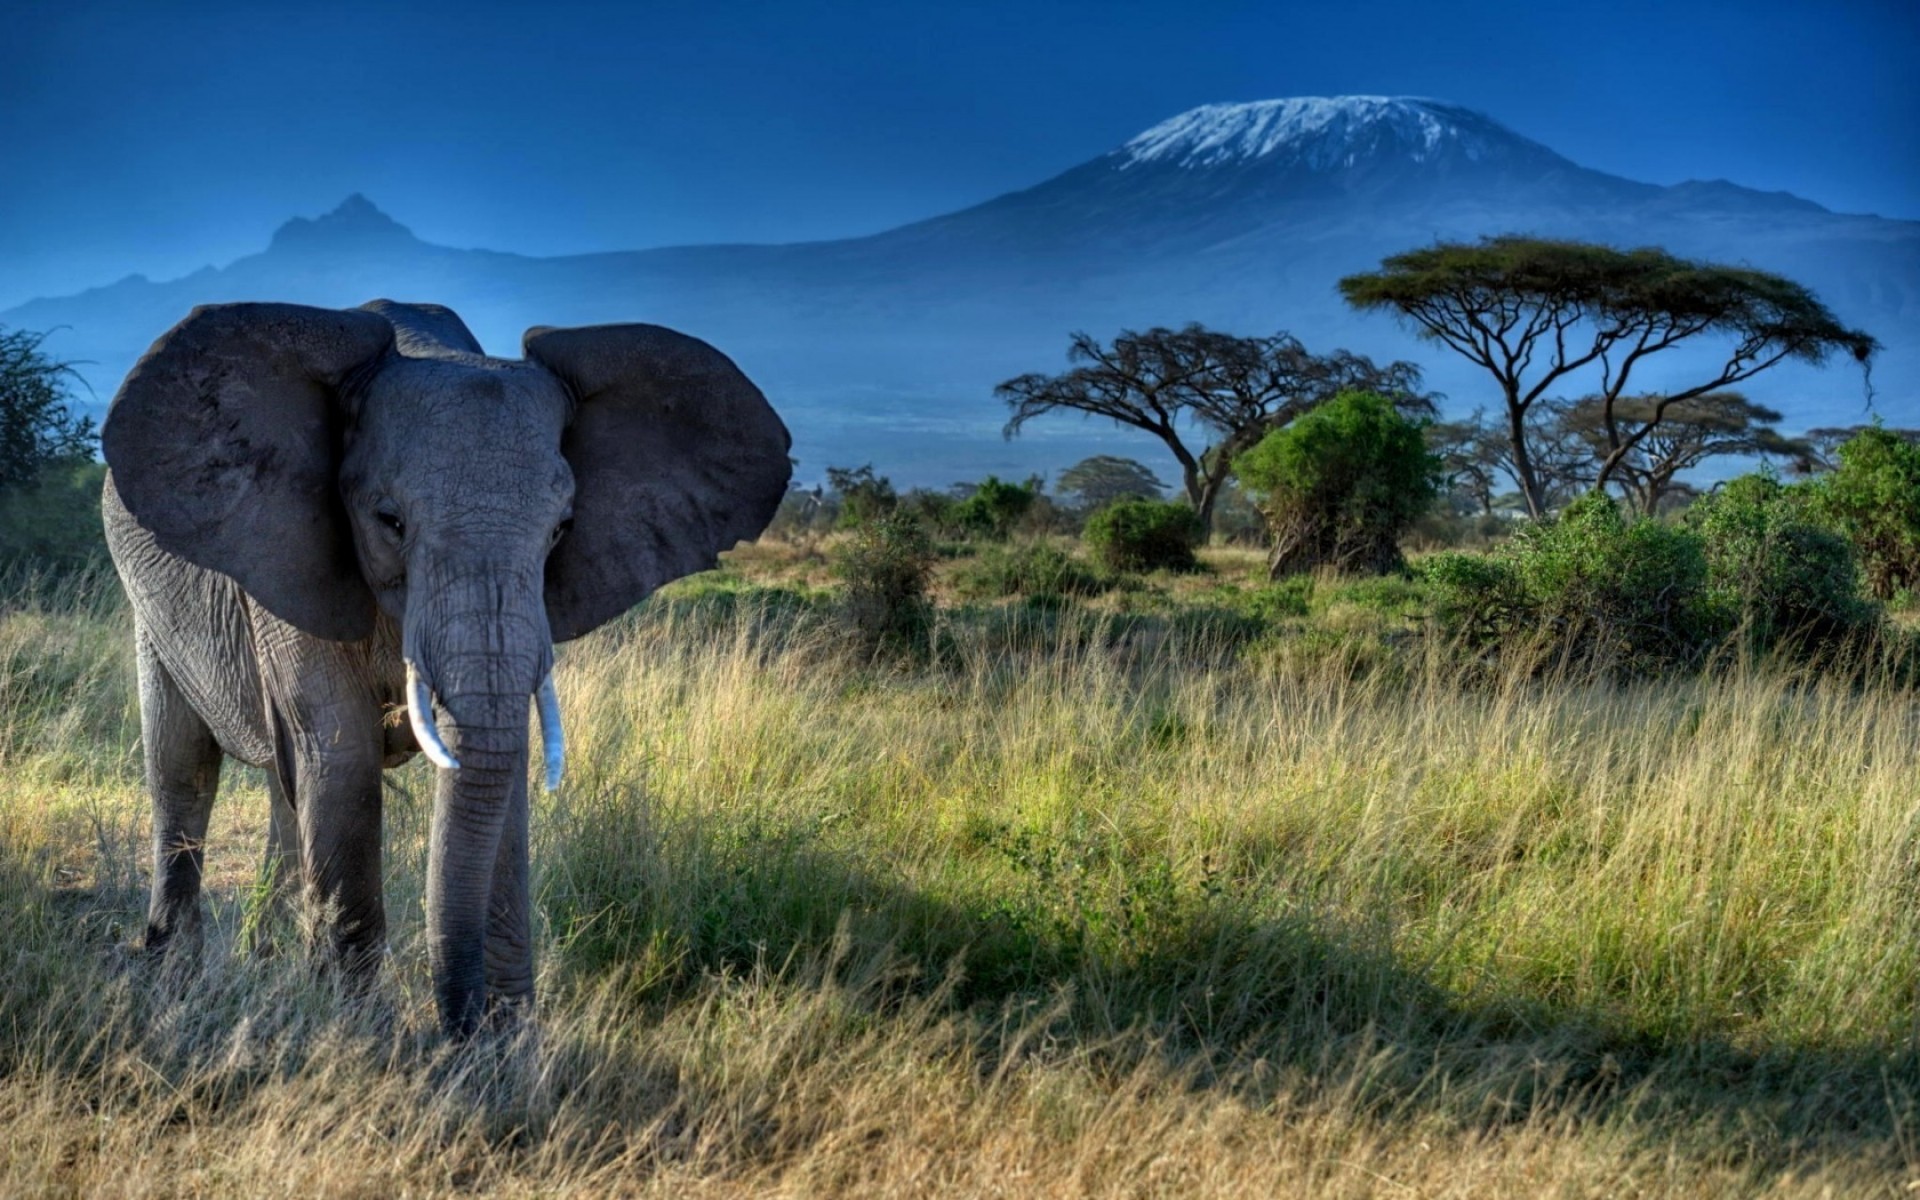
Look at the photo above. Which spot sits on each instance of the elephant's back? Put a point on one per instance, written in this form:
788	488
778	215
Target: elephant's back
198	625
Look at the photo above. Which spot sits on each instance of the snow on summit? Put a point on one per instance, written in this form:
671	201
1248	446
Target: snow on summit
1321	132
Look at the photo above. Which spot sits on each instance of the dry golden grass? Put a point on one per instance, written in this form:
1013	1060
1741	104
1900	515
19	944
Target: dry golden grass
1086	908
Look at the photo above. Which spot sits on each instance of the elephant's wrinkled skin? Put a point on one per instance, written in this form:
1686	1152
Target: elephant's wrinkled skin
303	503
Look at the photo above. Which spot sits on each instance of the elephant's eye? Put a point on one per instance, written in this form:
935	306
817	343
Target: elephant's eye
391	519
560	531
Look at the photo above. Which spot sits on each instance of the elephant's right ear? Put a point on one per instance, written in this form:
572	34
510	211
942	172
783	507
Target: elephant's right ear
225	442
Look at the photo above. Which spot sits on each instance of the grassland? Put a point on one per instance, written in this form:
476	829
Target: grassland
1189	890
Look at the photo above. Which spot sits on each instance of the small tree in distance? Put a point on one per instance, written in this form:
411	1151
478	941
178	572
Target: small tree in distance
1232	390
1341	485
1099	481
1534	312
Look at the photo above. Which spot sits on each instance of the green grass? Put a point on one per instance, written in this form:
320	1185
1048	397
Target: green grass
1182	890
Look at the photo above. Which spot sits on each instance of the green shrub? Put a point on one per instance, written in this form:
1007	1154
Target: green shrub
1774	570
1290	597
1339	486
1033	569
993	510
53	524
1388	595
1479	597
933	509
1631	593
884	568
1143	535
864	496
1873	498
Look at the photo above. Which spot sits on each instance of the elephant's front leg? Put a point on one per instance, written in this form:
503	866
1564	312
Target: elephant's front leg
338	802
328	747
183	774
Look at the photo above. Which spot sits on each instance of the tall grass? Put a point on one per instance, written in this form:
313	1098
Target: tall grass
1078	905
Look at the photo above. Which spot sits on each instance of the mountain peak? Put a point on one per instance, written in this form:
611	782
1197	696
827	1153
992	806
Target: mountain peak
355	223
1325	132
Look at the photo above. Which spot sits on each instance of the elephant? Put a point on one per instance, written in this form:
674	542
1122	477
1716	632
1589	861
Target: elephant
326	518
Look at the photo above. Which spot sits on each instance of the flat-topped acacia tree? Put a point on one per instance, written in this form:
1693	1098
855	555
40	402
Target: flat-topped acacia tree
1534	312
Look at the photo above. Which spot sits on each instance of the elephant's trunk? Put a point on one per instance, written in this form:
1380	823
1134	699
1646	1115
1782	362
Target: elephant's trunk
482	661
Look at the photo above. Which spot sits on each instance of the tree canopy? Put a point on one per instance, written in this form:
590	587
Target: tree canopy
38	428
1533	312
1099	481
1200	383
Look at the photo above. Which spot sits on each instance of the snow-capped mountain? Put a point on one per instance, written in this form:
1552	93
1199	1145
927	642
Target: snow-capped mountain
1241	216
1322	133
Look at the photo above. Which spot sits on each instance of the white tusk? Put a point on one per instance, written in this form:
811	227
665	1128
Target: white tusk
420	716
551	738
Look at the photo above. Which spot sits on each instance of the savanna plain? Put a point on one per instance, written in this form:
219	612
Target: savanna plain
1152	894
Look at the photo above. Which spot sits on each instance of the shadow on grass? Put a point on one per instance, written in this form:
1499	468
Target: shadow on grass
1245	1004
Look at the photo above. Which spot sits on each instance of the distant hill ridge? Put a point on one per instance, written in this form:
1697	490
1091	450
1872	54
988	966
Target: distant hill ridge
886	347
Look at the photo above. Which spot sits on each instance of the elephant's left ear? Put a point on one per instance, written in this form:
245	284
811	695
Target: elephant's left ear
676	456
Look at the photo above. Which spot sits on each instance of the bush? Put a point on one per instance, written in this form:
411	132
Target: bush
53	524
884	568
1773	570
993	510
1144	535
1479	597
1032	569
864	496
1873	498
1341	485
1630	595
932	509
1628	592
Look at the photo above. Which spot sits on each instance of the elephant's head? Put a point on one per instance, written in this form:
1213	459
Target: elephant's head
338	462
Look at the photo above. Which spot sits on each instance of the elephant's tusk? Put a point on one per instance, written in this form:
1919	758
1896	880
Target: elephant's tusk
552	739
420	716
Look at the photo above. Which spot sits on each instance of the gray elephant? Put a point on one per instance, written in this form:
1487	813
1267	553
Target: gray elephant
325	517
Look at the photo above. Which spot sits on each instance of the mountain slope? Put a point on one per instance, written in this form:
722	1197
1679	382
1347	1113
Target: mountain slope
1243	216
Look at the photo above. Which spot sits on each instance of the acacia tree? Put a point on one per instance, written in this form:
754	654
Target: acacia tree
37	426
1533	312
1709	426
1228	389
1099	481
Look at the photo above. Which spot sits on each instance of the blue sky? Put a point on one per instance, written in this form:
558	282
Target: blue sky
156	138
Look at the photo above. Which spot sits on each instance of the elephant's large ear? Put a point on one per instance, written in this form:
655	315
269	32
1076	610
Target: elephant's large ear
224	443
675	455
